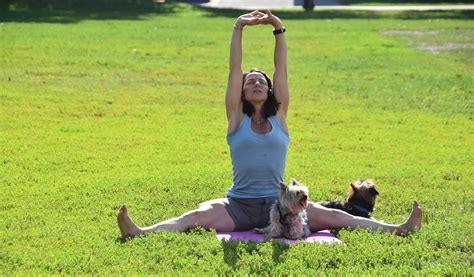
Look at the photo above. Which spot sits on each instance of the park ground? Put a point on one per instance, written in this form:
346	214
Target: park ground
100	108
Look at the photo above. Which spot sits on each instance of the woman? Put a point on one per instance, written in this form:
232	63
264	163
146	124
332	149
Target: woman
257	135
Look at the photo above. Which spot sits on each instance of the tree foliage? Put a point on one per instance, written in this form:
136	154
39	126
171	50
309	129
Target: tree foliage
42	4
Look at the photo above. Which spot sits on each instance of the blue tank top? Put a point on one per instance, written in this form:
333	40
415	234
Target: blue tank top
258	160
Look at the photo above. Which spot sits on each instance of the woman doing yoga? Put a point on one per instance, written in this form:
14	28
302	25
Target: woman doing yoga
258	138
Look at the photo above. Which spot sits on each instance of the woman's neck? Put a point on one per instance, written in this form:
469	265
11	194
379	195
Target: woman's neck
257	116
257	113
260	124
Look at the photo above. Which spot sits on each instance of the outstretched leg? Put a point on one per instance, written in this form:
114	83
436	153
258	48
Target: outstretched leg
321	218
210	214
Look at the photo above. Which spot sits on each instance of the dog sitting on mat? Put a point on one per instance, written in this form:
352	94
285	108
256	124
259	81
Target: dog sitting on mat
288	215
361	200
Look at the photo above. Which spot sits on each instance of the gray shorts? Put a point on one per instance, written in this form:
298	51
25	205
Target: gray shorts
250	213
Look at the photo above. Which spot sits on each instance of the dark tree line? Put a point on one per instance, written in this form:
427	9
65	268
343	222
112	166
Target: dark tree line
308	5
64	4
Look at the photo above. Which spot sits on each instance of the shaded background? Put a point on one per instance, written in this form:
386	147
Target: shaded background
6	5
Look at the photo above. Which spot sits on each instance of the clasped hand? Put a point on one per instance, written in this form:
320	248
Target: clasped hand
256	17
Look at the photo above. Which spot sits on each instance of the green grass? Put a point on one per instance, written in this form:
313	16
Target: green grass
127	107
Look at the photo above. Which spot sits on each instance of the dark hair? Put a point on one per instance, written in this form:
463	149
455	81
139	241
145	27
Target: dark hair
270	107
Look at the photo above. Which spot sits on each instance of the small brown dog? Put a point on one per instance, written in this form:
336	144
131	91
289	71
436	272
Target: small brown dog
288	215
361	200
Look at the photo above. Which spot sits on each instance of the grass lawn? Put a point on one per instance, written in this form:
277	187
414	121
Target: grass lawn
100	109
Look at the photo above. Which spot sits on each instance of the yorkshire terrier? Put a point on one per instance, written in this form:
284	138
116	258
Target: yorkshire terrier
361	200
288	215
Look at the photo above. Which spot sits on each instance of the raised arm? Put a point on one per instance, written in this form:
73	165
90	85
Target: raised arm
233	99
280	77
234	82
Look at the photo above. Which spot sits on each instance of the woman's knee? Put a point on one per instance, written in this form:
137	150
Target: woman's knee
202	216
322	211
328	218
191	218
213	202
340	216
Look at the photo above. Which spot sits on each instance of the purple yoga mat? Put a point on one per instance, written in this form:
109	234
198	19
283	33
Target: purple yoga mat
320	237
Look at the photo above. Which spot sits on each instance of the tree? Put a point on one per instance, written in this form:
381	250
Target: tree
308	5
4	5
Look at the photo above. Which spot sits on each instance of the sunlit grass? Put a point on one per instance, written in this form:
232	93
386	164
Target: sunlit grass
100	112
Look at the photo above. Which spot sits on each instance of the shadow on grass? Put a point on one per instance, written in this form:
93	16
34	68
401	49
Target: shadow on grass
75	15
341	14
137	13
233	247
120	240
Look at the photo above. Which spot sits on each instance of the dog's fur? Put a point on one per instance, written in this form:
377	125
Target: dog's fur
288	215
361	200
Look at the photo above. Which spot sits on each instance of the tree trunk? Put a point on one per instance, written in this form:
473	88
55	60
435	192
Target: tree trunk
308	5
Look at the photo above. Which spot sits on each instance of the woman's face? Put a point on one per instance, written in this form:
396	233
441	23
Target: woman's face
255	87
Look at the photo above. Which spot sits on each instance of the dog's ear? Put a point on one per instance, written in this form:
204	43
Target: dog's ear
354	188
294	182
373	191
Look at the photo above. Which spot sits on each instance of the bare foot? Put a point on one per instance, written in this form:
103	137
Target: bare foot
127	227
413	223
